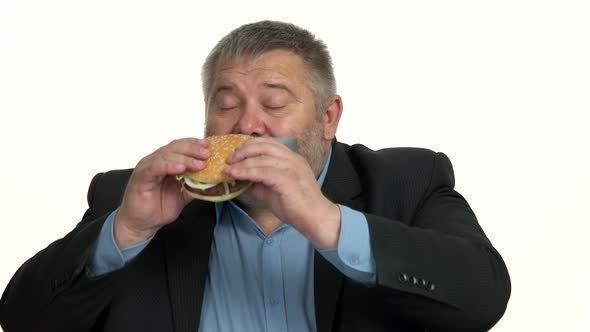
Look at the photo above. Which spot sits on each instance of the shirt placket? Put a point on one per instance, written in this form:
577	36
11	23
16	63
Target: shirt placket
274	299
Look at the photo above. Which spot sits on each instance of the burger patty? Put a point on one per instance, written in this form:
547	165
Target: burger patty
219	189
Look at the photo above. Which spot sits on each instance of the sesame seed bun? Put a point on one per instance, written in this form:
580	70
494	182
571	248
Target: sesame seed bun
220	147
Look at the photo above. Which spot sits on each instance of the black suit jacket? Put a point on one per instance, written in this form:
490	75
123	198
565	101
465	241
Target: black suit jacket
436	270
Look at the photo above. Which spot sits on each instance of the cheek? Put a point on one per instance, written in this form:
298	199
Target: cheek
218	126
284	127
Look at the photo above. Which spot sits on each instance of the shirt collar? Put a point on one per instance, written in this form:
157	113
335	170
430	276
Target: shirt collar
220	205
322	176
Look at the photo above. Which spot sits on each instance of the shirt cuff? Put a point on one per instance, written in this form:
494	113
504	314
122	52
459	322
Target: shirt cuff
353	256
106	257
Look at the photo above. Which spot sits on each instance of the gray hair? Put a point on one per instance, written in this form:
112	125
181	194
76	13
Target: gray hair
254	39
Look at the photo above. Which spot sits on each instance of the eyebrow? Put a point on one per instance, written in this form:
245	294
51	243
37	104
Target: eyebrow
281	87
269	85
221	88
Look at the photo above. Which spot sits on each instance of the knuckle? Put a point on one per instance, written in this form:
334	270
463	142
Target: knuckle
152	167
169	161
185	160
159	163
142	162
161	149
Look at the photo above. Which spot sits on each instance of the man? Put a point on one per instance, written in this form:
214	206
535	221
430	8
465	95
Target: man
333	238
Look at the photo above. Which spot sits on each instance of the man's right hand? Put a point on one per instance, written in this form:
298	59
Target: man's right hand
153	198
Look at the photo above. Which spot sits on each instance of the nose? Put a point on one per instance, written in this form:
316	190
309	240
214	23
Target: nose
251	121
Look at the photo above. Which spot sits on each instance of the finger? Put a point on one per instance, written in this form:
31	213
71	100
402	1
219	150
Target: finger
190	163
269	176
186	197
193	147
270	170
159	165
259	161
258	147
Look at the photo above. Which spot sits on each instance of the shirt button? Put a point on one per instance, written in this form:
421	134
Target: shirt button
269	242
354	260
274	301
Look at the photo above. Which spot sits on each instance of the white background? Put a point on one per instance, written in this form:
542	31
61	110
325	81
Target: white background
502	87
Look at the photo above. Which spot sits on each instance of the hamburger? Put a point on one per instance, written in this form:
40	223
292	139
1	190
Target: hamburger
211	184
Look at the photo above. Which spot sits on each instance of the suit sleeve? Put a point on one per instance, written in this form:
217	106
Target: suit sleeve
440	270
51	292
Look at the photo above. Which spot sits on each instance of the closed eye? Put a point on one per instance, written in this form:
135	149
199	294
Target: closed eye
274	107
227	108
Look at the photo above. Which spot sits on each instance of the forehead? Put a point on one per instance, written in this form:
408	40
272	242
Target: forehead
281	65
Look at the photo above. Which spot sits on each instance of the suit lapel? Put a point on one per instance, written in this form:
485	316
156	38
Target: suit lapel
341	186
187	258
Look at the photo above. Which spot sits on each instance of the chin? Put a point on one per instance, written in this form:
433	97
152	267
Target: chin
249	200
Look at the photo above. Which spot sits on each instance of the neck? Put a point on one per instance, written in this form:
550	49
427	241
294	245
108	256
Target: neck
265	219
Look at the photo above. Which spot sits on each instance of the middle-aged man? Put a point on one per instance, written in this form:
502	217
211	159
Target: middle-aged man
333	238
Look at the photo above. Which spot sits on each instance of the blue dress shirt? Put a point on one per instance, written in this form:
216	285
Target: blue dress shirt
257	282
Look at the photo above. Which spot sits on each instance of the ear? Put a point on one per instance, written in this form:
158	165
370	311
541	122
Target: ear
331	117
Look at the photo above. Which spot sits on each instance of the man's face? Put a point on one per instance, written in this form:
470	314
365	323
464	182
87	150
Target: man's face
267	96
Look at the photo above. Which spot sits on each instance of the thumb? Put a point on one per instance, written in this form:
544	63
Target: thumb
186	197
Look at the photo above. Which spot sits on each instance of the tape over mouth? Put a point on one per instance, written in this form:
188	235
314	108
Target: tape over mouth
290	142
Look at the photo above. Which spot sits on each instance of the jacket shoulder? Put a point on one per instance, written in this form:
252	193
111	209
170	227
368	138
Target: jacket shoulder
106	191
417	163
399	178
397	154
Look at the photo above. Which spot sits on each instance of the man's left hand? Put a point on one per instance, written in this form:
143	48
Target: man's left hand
284	181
